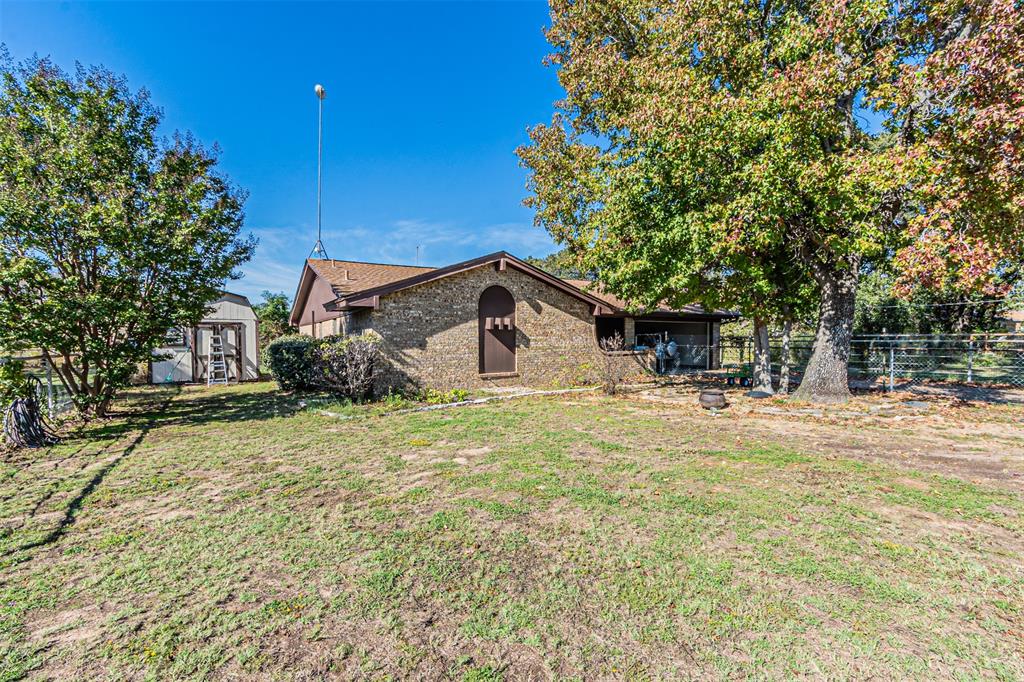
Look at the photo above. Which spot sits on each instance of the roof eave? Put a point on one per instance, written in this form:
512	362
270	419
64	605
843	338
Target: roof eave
295	314
715	315
501	259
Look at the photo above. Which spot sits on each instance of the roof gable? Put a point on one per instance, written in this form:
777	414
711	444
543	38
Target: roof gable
368	297
347	277
234	298
360	285
344	277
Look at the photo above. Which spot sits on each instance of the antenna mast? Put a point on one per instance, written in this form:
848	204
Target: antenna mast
318	249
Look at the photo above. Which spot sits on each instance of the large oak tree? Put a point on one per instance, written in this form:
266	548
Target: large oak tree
715	136
109	237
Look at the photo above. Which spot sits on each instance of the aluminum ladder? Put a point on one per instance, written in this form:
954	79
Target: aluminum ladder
217	370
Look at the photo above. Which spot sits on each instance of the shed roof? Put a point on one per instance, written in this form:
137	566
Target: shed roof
236	298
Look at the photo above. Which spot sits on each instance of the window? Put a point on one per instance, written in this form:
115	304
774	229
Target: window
607	327
176	336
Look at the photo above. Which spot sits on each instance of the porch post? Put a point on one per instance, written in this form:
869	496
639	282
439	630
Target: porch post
707	343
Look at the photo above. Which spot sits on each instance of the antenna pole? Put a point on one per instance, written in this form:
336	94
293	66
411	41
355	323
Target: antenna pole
318	248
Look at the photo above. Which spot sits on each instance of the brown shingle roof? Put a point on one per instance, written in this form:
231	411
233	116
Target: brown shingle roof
595	289
351	280
346	276
501	258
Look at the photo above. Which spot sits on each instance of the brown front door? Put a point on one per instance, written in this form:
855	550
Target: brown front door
497	331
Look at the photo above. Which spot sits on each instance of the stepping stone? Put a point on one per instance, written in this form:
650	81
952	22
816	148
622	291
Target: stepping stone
759	394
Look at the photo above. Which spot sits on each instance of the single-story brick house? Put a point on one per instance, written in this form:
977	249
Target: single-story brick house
491	320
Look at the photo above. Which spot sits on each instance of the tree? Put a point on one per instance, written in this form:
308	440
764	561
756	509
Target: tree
770	290
714	137
559	264
884	304
273	314
108	237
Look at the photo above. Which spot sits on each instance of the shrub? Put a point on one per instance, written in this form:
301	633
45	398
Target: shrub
613	370
346	366
396	400
432	396
14	383
291	360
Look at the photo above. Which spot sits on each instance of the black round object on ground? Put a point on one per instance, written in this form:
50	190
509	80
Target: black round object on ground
712	398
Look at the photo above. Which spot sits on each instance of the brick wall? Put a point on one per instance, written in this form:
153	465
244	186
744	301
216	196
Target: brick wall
321	329
430	334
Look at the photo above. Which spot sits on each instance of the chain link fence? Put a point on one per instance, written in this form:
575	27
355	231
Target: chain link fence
906	359
990	359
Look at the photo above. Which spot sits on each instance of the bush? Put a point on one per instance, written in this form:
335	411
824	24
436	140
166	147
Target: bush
14	383
432	396
346	365
613	371
396	400
292	361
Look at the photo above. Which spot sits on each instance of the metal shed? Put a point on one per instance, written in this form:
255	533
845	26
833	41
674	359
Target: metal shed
186	357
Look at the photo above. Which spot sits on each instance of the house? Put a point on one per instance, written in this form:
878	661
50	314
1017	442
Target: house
492	320
1013	321
186	356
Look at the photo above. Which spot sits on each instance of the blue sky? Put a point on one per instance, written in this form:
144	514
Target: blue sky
426	103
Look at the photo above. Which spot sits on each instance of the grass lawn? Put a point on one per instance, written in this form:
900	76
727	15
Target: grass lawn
221	533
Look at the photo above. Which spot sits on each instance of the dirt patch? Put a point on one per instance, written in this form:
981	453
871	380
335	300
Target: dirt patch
476	452
935	434
417	480
914	524
68	626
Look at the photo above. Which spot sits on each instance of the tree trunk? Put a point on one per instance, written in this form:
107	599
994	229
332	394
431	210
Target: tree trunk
787	330
102	407
826	378
762	358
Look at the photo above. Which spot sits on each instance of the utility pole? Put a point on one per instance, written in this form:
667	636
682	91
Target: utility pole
318	249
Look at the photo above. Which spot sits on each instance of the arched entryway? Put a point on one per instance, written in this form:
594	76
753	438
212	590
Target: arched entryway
497	313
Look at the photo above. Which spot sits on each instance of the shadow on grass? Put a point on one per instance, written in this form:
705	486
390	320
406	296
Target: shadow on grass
217	406
145	411
75	503
966	392
141	420
157	409
996	395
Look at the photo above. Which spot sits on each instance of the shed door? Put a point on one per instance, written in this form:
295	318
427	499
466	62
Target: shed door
497	331
233	339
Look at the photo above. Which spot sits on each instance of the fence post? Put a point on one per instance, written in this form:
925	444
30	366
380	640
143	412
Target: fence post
970	361
49	387
892	364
